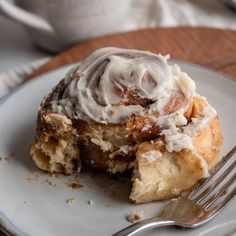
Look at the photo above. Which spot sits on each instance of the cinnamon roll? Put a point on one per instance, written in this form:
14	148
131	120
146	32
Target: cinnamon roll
129	110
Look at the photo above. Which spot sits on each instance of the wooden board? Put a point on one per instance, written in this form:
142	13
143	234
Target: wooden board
209	47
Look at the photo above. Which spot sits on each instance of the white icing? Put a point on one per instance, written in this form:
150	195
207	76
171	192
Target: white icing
99	84
194	120
177	141
209	111
196	124
152	156
185	83
172	120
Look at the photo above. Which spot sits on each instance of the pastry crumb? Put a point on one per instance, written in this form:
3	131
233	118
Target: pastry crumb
135	216
6	158
91	203
74	185
50	183
70	201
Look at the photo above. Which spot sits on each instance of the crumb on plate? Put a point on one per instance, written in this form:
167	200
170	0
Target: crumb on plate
91	202
135	216
70	201
74	185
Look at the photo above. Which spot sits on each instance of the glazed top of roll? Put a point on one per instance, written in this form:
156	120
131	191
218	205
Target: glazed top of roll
113	84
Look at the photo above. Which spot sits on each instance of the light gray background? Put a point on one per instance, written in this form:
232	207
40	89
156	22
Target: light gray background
16	48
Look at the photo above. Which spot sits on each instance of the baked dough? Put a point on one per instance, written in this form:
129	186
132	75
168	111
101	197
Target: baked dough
159	174
129	111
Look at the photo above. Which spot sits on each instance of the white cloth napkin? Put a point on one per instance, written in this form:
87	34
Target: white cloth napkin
17	76
148	13
172	13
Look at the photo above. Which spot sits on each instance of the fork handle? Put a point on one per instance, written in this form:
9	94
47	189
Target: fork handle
143	225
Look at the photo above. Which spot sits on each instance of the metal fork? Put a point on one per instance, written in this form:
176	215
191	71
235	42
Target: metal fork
200	206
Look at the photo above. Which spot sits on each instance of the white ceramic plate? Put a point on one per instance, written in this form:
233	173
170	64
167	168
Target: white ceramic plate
33	203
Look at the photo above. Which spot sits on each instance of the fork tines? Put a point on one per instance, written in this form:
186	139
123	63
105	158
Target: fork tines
219	185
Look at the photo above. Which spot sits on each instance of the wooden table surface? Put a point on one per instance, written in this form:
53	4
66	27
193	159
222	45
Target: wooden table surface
209	47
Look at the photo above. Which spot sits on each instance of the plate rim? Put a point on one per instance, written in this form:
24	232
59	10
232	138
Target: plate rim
6	225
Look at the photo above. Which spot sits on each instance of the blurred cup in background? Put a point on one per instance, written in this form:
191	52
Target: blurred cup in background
57	24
